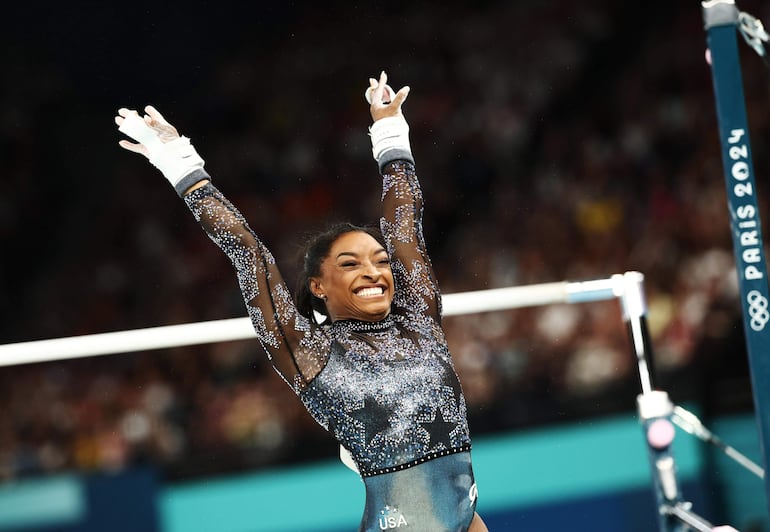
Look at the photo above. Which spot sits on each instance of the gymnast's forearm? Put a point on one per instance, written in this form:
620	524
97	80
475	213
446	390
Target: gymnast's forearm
176	158
279	327
258	276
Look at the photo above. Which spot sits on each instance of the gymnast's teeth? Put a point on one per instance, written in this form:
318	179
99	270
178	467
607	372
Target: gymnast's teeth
370	292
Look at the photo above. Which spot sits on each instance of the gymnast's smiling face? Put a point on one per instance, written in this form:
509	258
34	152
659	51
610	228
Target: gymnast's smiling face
356	280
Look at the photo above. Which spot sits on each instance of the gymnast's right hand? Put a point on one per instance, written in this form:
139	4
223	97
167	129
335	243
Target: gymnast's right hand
160	142
148	131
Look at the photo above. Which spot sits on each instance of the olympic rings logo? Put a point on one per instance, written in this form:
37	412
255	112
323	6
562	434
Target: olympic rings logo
758	310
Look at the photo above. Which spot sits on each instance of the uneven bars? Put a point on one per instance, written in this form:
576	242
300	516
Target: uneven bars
241	329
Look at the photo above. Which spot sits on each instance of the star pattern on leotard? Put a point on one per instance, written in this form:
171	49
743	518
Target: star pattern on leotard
373	416
439	430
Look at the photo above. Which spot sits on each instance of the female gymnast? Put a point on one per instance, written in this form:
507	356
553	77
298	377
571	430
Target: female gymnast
377	372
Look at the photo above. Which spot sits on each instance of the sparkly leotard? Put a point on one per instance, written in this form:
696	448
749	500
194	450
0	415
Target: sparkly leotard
386	390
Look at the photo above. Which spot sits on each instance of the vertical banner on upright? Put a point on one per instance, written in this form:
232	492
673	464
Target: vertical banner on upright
721	19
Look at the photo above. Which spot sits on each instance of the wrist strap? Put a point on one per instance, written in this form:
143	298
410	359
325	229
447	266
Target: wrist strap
390	133
176	159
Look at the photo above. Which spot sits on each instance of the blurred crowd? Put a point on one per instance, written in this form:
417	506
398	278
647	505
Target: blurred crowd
554	141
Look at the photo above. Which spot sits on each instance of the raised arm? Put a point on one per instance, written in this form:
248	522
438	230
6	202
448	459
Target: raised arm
402	202
292	345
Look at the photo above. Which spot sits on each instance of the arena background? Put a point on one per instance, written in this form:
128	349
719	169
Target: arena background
554	140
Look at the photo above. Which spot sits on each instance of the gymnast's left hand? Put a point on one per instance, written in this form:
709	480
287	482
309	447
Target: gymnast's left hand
383	109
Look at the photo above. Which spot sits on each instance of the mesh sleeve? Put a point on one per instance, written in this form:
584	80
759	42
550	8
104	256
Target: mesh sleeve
402	228
296	349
